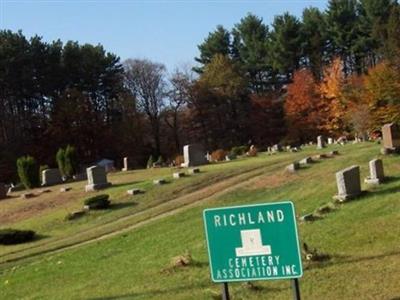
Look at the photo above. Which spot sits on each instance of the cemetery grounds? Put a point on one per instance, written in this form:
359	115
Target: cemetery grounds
125	252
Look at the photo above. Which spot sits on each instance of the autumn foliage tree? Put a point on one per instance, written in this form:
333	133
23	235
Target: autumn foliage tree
301	107
332	105
382	92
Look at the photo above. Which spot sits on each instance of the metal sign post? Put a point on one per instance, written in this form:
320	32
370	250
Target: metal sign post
296	289
225	291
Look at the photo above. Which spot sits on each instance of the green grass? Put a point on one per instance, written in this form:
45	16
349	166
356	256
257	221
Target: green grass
361	236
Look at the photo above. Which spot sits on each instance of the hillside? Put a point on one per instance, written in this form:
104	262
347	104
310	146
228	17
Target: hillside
126	252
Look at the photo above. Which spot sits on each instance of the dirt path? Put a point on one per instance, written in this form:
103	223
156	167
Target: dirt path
142	218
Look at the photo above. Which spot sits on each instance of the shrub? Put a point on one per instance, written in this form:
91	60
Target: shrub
253	151
218	155
70	161
150	162
60	158
28	171
98	202
238	150
160	160
14	236
41	169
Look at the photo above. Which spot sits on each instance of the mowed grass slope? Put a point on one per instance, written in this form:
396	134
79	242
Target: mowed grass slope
362	237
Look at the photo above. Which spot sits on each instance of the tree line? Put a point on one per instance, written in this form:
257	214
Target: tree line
253	84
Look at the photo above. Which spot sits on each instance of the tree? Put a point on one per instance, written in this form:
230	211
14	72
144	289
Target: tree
146	82
392	43
314	40
28	171
344	31
177	97
218	104
301	107
60	158
71	161
250	50
285	44
332	104
382	85
217	42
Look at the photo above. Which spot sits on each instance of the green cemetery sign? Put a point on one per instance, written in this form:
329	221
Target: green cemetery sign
253	242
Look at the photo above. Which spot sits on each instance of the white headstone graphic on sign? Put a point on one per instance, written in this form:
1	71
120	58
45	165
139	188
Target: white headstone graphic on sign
252	244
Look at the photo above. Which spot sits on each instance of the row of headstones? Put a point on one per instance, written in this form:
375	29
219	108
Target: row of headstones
162	181
308	160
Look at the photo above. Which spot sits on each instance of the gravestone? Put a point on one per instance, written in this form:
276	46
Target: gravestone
333	153
376	172
194	155
3	191
391	136
159	181
178	175
51	177
194	171
320	142
276	148
348	183
293	167
330	141
97	179
306	161
65	189
126	164
134	192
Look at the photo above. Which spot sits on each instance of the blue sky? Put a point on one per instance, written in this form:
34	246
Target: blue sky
163	31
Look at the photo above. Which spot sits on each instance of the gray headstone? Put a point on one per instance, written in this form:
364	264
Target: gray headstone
376	172
276	148
293	167
97	178
51	177
159	181
134	191
194	171
391	136
3	191
306	161
178	174
194	155
320	142
65	189
330	141
348	183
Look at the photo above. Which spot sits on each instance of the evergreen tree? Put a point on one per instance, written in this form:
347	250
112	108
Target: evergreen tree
314	40
217	42
250	50
285	44
344	31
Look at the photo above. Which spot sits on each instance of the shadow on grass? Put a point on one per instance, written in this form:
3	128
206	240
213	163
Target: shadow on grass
118	185
115	206
152	293
161	292
342	259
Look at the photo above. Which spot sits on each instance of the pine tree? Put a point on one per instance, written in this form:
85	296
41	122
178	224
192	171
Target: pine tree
250	50
217	42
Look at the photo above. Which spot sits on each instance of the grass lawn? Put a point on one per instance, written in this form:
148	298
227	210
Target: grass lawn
361	236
